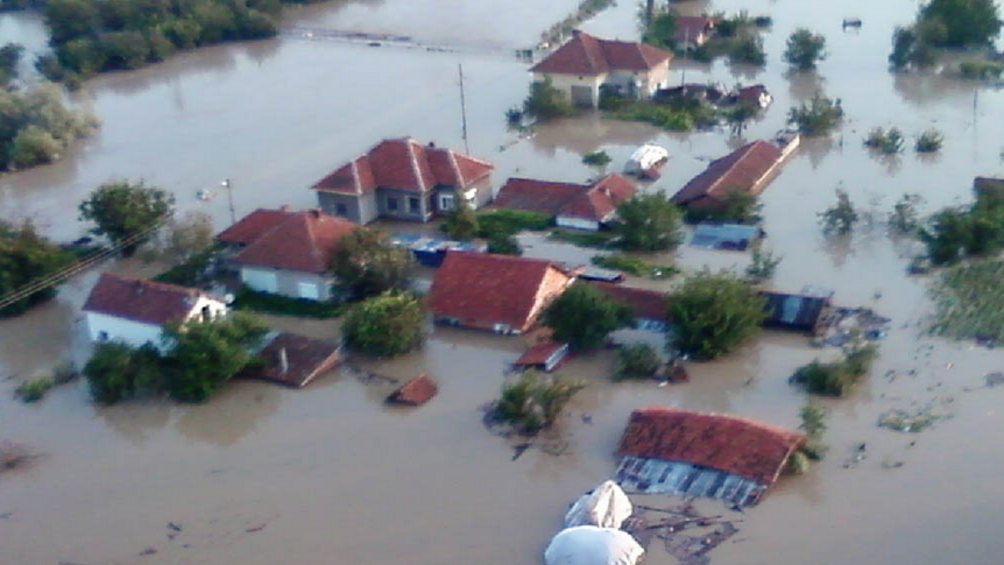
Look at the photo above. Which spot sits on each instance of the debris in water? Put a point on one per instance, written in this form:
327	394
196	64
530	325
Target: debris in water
906	421
994	379
687	535
14	455
147	551
173	526
257	528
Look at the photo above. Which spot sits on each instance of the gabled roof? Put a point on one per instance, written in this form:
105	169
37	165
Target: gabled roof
731	444
305	359
250	227
480	287
415	392
541	353
739	170
595	201
646	304
405	164
691	27
588	55
301	241
142	300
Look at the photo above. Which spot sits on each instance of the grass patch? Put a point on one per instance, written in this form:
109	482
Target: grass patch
248	299
836	378
506	223
595	239
34	389
634	266
969	301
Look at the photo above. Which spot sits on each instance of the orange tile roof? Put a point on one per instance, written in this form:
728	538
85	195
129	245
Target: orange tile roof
488	289
731	444
738	170
600	200
596	201
415	392
588	55
405	164
646	304
303	241
142	300
306	358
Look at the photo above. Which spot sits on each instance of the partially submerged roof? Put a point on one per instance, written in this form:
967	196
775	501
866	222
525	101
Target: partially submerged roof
733	237
737	446
584	54
689	28
796	311
737	171
415	392
646	304
293	360
596	201
142	300
490	288
543	354
298	241
405	164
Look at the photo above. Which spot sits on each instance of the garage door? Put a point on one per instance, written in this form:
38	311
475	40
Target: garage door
309	290
262	281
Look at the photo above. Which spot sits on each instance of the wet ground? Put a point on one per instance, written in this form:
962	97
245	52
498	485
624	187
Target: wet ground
328	474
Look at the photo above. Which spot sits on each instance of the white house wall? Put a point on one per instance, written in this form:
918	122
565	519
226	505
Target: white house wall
564	83
577	223
287	283
120	329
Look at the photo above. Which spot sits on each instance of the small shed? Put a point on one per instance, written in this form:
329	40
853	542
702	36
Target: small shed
546	356
415	392
802	312
292	360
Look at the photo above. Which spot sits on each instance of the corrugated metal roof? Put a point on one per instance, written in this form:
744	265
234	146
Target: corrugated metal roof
794	311
655	476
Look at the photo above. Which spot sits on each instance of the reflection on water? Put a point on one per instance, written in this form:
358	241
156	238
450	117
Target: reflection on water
233	414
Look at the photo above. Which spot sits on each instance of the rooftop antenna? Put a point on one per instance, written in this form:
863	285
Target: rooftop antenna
463	109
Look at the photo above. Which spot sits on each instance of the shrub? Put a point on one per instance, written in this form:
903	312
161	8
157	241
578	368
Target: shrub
34	388
929	142
748	49
738	208
841	217
248	299
584	316
817	117
956	232
504	245
904	217
804	49
117	371
534	401
505	223
888	142
122	210
611	99
33	146
979	69
633	265
836	378
597	158
762	266
648	223
366	265
546	102
594	239
387	325
667	118
713	314
513	116
461	223
636	361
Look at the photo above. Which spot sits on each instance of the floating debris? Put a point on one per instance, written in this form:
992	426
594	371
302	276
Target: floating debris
912	422
994	379
687	534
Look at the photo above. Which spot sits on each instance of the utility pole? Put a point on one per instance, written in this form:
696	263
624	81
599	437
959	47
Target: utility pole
230	197
686	48
463	108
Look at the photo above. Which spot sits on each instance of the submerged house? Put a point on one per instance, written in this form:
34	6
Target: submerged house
584	64
649	306
746	170
292	360
757	96
135	311
545	356
692	32
576	206
499	293
803	312
679	452
404	180
284	252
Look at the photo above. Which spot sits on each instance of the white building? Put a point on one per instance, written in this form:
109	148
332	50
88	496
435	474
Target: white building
135	311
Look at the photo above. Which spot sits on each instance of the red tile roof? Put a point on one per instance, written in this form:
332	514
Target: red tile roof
415	392
405	164
302	241
646	304
250	227
479	288
305	359
142	300
734	445
596	201
540	353
739	170
588	55
689	28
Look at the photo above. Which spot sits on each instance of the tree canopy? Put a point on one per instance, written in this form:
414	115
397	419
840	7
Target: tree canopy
121	210
461	223
26	256
965	22
583	316
387	325
36	126
648	223
818	117
713	314
805	49
365	265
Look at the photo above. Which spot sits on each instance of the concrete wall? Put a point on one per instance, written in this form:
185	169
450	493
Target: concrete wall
359	209
577	223
404	210
294	284
564	83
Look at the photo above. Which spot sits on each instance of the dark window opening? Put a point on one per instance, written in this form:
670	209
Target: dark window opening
414	205
341	210
392	203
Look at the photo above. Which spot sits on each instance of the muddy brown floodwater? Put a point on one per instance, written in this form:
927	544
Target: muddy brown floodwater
262	475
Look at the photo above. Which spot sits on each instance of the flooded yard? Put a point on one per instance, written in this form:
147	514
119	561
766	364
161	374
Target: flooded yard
329	474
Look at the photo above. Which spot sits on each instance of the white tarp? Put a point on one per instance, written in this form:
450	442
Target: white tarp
644	158
606	506
589	545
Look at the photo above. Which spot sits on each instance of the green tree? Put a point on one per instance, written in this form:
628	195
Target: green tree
365	265
10	56
966	22
204	354
713	313
69	19
660	31
461	223
818	117
534	401
117	371
841	217
748	49
648	223
387	325
122	210
545	101
805	49
26	256
584	316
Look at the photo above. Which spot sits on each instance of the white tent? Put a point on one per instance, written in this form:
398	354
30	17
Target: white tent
606	506
589	545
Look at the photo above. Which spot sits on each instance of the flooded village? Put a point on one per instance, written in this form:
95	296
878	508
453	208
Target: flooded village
390	114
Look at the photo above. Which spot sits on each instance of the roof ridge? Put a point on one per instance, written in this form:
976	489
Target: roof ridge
411	143
745	150
452	157
157	284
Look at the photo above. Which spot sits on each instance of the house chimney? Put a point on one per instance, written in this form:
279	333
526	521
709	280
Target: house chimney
432	144
283	362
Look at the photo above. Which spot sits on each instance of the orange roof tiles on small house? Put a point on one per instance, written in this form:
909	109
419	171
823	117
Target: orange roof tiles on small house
646	304
293	360
501	293
143	300
588	55
296	241
745	170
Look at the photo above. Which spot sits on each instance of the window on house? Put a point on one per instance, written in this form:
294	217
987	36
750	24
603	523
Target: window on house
102	336
414	205
392	203
341	210
446	202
